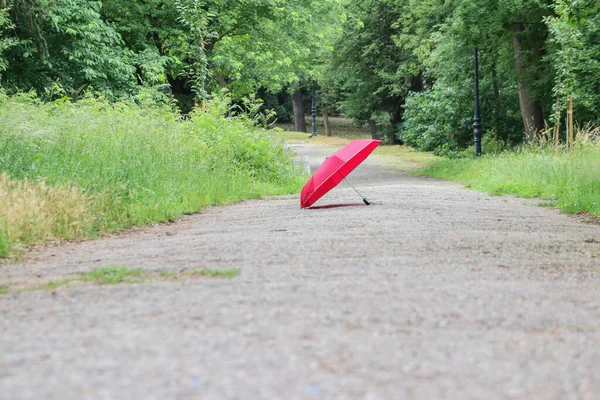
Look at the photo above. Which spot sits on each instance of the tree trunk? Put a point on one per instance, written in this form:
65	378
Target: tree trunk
374	127
221	80
298	107
326	120
497	105
531	110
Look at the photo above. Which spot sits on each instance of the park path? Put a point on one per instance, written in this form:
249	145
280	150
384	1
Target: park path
433	292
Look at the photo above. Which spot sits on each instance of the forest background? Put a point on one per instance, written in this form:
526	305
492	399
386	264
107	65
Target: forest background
405	67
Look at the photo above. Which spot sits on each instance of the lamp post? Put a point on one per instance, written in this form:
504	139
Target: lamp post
477	117
313	111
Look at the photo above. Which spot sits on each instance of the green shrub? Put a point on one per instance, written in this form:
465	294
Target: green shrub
434	119
490	144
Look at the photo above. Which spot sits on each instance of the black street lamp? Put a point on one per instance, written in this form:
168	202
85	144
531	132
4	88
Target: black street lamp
477	118
313	111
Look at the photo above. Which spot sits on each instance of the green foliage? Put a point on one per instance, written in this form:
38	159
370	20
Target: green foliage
368	75
195	47
449	63
142	164
6	41
68	41
254	109
5	241
90	46
574	33
532	52
388	63
194	16
436	119
241	45
230	145
490	142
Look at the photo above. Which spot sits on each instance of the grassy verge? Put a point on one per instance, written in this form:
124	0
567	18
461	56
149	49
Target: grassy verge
72	170
571	183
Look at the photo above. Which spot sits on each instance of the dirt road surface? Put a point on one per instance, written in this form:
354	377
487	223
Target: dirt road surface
433	292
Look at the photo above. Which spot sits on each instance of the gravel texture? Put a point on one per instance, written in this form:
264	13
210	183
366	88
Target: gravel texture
433	292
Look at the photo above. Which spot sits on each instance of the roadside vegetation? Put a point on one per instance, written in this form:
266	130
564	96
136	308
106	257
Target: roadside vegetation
568	181
75	170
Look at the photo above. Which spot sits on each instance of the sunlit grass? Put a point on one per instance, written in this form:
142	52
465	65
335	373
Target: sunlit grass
404	156
571	183
34	211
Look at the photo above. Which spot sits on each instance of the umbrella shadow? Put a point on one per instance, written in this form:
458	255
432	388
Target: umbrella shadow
336	206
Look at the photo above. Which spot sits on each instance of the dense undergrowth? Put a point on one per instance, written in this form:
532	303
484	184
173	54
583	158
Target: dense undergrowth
569	182
80	169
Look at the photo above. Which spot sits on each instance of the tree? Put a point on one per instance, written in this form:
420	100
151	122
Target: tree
378	59
6	41
66	41
529	37
510	36
298	107
243	45
574	52
192	47
361	73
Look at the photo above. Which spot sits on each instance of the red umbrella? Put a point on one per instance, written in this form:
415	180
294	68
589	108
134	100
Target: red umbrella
335	168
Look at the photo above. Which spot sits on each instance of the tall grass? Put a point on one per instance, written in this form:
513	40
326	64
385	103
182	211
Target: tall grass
127	165
572	183
31	212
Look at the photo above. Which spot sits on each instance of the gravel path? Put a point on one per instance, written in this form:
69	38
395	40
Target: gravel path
433	292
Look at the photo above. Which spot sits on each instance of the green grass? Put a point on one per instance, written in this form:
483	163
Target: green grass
53	285
401	155
571	183
120	275
113	275
215	273
126	165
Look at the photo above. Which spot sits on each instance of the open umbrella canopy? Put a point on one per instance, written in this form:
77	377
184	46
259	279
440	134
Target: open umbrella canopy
335	168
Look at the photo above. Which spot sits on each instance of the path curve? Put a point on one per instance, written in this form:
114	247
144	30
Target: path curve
433	292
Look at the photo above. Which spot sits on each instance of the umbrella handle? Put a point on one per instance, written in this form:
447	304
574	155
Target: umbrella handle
367	202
